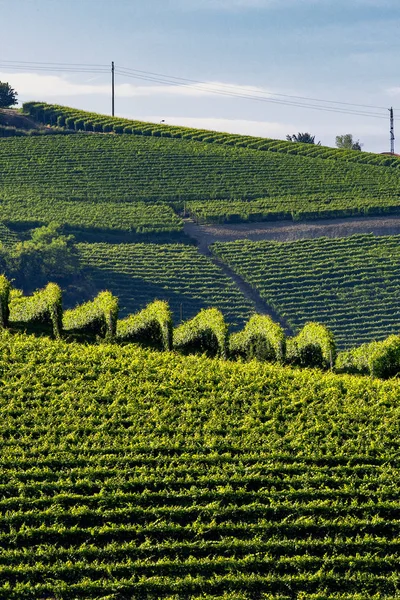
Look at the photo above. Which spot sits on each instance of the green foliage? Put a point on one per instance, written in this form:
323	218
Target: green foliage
5	288
74	116
151	326
47	255
346	142
314	346
123	169
304	138
349	284
207	332
261	338
136	474
176	273
325	205
8	96
44	306
379	359
96	317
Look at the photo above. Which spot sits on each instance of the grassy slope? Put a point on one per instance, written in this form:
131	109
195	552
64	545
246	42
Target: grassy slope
59	170
350	284
126	472
126	184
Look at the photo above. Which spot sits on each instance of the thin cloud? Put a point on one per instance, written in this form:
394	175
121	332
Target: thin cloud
53	86
394	91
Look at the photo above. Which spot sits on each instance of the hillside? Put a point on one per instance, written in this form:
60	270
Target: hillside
134	474
352	284
108	187
59	173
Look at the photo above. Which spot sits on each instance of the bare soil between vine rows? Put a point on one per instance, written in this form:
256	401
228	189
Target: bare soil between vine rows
285	231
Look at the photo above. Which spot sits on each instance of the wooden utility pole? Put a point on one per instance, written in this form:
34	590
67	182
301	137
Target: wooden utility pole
112	88
391	131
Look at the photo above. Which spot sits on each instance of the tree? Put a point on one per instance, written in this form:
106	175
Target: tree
305	138
48	255
8	96
346	142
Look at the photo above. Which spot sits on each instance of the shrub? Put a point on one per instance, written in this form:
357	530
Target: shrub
314	346
206	332
44	306
70	123
97	317
79	125
151	326
261	338
379	359
5	287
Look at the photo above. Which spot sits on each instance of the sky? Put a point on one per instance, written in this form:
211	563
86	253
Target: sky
276	51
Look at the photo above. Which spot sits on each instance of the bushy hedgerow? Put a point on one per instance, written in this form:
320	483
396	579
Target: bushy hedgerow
261	338
379	359
151	326
314	346
44	306
5	288
207	332
97	317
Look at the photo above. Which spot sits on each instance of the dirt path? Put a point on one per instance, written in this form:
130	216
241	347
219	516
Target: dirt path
282	231
260	306
285	231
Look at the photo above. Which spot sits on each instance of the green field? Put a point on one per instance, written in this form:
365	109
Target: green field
65	178
178	273
350	284
72	120
133	474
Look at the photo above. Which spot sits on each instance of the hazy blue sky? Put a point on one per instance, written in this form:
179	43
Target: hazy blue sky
342	50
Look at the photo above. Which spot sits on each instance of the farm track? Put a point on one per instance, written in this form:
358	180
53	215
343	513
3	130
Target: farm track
282	231
286	231
260	306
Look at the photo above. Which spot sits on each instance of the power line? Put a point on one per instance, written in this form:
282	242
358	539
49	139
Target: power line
171	80
255	91
220	91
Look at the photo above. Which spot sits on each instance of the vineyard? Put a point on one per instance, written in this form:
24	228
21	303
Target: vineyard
158	438
350	284
177	273
65	119
136	474
137	183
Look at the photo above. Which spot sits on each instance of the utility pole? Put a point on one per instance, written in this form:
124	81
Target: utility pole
391	131
112	88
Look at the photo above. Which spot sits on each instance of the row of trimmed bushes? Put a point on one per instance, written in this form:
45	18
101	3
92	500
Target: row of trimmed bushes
207	332
79	120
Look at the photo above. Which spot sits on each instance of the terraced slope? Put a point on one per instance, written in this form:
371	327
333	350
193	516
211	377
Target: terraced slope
132	474
79	120
7	237
350	284
61	175
178	273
